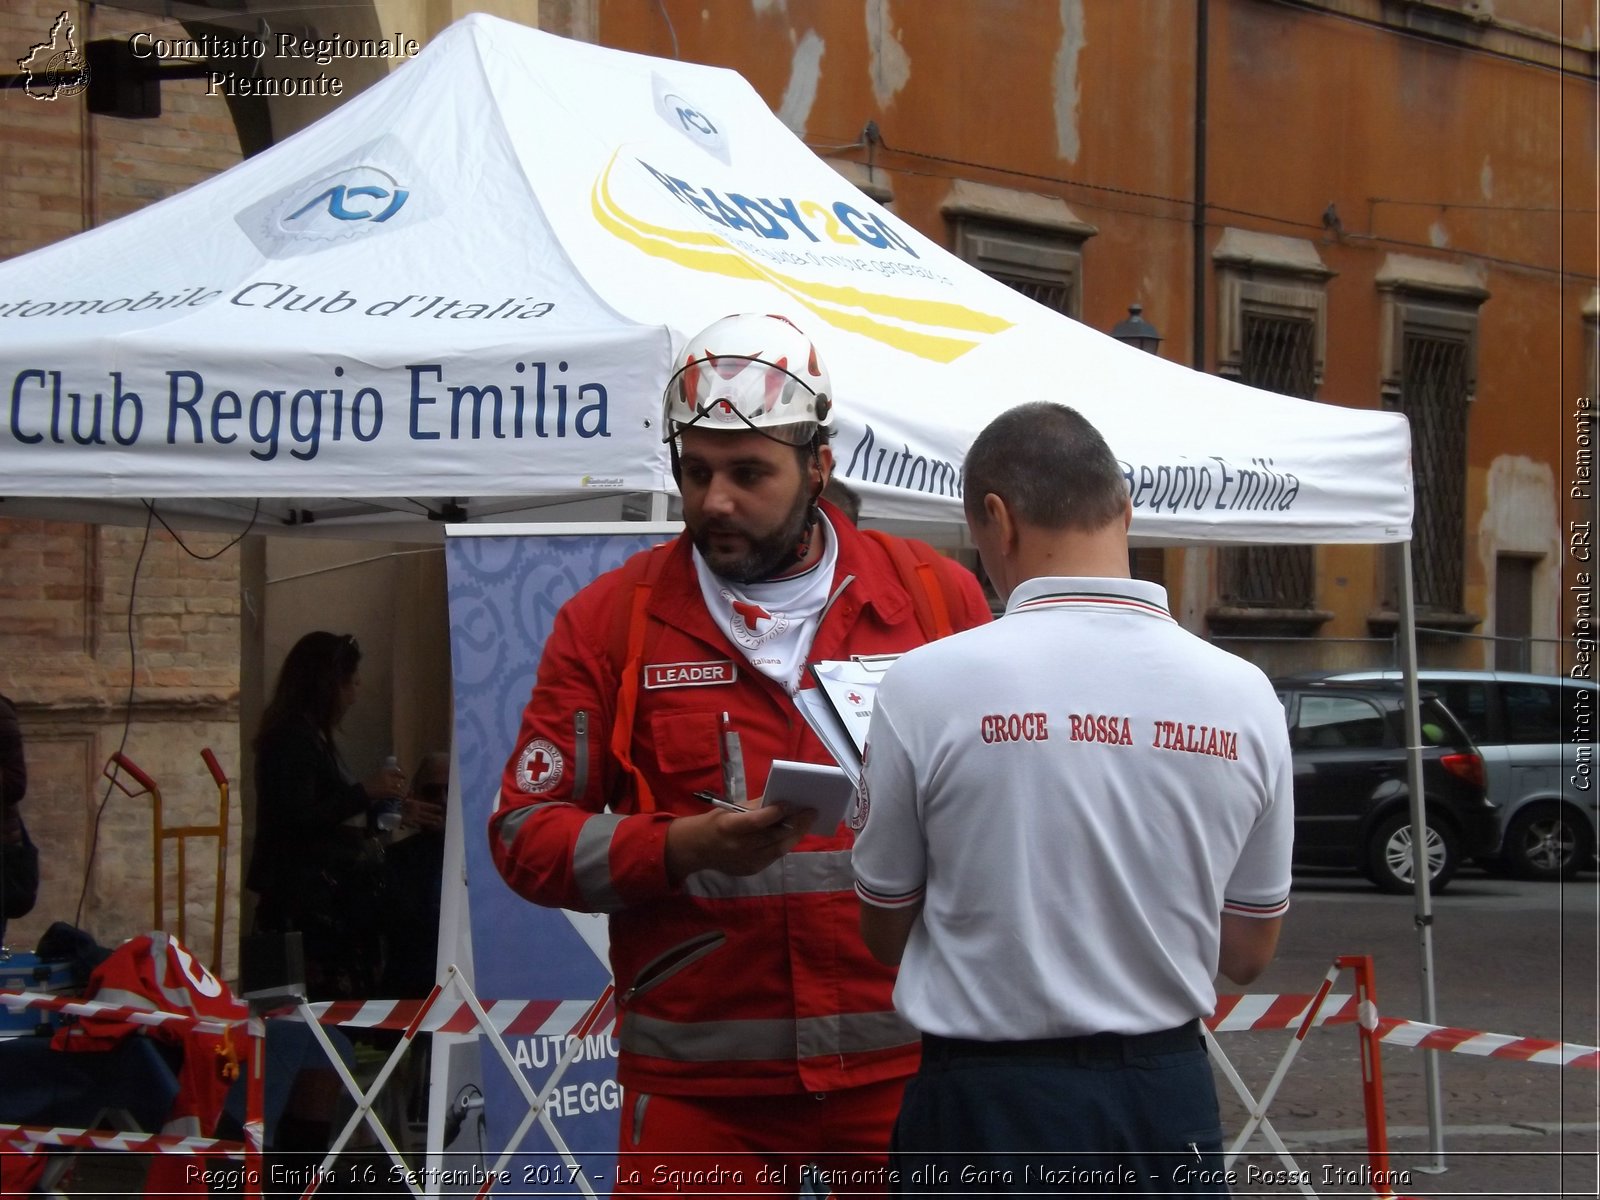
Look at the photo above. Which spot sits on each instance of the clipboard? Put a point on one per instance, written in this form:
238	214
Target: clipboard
839	708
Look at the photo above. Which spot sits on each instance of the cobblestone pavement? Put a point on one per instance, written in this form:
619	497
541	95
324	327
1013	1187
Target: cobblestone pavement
1508	1129
1509	958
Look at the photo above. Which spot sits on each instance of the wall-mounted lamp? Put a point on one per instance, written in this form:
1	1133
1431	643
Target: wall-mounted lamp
1137	332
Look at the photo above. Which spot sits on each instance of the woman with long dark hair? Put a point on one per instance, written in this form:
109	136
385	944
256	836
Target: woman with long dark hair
315	867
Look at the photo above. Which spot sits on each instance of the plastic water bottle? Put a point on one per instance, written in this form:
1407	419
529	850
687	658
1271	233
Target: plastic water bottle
387	817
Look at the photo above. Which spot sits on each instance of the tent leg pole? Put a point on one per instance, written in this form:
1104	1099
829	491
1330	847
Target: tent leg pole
1419	868
658	506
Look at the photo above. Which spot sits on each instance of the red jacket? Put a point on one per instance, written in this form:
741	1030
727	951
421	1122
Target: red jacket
155	972
725	985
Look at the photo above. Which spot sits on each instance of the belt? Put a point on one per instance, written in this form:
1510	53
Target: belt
1093	1047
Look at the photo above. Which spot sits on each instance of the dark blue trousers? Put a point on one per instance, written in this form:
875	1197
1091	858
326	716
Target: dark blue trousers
1096	1116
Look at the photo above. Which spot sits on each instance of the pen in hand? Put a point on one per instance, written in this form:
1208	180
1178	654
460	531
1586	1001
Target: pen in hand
717	801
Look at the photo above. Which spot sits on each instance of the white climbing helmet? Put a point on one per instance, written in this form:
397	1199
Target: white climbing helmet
750	371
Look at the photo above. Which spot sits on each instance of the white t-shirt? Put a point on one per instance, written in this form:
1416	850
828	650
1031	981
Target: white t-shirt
773	622
1075	793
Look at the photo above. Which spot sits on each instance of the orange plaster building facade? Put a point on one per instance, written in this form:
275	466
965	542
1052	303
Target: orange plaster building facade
1364	202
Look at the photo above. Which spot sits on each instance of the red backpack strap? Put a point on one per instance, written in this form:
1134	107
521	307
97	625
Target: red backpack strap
627	654
917	564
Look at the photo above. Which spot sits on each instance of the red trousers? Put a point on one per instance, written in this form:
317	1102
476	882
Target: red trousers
757	1145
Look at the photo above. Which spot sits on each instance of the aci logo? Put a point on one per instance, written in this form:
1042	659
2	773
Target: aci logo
361	194
342	201
686	117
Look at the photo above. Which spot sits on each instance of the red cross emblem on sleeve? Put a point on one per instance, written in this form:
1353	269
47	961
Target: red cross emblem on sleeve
539	767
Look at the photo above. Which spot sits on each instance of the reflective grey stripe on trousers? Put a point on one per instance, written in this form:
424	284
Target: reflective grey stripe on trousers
758	1040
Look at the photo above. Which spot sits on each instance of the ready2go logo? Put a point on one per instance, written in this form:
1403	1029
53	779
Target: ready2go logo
784	217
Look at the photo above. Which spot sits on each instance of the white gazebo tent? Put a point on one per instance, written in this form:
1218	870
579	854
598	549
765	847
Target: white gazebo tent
459	295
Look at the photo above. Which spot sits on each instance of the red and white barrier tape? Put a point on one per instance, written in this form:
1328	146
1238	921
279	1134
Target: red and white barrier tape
1401	1032
546	1018
1237	1013
515	1018
510	1018
118	1012
28	1139
521	1018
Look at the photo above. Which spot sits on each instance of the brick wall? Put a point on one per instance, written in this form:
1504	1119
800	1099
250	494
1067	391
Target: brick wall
64	588
67	593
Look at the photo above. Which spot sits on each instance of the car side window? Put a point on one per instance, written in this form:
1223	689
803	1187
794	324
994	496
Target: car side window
1436	727
1470	704
1328	722
1533	713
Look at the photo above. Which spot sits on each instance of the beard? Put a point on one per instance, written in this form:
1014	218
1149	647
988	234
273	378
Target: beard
762	556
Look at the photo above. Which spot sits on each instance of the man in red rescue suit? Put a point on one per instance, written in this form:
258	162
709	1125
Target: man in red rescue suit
756	1032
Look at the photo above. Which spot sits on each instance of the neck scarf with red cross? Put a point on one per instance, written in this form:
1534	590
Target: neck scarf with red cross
772	623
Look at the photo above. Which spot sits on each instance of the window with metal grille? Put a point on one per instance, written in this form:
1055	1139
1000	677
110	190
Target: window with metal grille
1433	396
1029	241
1052	294
1277	355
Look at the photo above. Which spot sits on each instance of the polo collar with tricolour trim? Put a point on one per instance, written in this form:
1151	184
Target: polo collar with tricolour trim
1063	592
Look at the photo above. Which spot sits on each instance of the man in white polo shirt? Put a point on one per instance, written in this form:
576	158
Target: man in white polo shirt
1069	820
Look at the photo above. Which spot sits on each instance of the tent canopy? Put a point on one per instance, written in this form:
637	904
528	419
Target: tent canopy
460	295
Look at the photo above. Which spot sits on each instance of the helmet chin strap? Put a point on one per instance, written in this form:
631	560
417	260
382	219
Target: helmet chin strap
802	545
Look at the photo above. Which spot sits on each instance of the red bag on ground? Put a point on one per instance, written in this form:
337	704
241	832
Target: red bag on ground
155	972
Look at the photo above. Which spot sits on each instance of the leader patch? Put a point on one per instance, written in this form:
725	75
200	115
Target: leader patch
689	674
539	767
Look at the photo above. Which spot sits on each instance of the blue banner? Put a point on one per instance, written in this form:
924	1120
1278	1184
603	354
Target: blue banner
504	594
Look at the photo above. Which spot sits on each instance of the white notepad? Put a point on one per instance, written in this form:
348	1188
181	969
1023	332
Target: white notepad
797	785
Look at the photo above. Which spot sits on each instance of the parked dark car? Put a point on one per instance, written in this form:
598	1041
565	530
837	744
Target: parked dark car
1536	734
1351	800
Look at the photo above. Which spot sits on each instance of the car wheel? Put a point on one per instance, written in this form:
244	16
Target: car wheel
1389	855
1542	844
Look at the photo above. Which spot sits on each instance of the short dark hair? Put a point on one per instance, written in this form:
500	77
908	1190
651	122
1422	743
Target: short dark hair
807	451
1050	466
843	498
